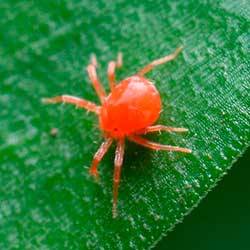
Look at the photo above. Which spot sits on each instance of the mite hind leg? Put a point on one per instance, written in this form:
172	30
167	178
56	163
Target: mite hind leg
119	155
159	128
98	157
156	146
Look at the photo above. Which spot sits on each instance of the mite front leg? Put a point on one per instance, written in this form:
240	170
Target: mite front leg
111	70
91	69
93	60
160	61
119	154
155	146
78	102
98	157
159	128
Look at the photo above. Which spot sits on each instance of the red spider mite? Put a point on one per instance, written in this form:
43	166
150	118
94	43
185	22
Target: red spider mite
128	111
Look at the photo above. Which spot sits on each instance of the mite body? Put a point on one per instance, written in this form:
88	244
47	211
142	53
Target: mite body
133	105
129	111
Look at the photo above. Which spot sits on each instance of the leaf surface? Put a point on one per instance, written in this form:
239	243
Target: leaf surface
48	200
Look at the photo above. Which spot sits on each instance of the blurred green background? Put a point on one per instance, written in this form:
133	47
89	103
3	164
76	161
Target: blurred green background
222	220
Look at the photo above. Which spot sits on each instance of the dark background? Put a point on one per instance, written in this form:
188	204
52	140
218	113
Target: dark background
222	220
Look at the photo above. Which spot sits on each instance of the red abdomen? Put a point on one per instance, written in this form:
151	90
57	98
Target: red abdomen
134	104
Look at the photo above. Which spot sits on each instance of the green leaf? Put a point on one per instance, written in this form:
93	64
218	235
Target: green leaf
222	217
48	200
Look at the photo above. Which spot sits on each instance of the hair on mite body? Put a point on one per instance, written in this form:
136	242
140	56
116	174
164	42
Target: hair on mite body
134	98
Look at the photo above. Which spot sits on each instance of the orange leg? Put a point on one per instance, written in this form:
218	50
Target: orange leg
78	102
91	69
119	154
98	157
146	143
111	70
159	128
160	61
93	60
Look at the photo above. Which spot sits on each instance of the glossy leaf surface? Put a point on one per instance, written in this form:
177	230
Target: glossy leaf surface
47	199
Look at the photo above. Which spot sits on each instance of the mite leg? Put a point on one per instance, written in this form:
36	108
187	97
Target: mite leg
91	69
159	128
119	154
78	102
93	60
155	146
98	156
160	61
111	70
